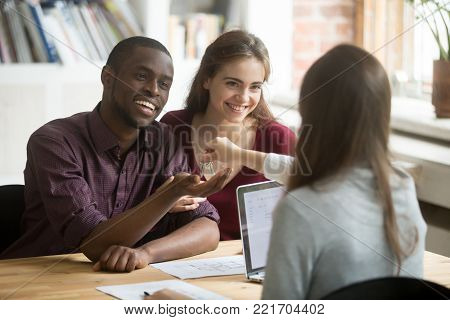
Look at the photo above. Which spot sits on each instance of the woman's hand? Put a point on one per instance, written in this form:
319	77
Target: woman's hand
223	150
187	203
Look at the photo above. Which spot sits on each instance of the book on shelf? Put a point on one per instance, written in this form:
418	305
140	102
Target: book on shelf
7	53
17	30
108	31
92	26
83	32
193	33
46	39
123	17
37	46
63	31
75	39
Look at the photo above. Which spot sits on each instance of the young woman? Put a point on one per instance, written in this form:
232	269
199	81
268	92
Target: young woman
226	100
353	217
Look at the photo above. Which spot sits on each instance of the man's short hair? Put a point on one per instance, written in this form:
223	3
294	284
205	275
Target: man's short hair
124	48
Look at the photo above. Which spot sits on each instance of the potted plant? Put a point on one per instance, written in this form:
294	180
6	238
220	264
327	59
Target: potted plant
436	14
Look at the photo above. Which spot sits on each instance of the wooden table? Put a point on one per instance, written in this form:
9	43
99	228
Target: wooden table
71	277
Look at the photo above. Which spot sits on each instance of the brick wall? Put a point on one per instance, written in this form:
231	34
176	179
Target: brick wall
318	26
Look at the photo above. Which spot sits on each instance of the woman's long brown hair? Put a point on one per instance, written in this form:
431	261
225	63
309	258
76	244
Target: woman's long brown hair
345	98
229	47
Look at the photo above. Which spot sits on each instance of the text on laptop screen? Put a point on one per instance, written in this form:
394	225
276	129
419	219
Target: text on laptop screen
258	208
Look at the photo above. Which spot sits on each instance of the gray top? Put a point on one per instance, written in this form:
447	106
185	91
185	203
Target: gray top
331	236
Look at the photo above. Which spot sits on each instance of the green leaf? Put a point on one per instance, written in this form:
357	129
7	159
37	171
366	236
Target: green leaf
425	9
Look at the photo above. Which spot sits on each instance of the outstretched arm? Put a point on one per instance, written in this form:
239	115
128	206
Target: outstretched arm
274	166
126	229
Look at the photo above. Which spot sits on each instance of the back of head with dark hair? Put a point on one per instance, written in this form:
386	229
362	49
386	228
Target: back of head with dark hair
345	96
124	48
345	99
228	47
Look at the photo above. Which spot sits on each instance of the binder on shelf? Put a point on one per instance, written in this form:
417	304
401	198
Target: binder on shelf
6	49
98	29
67	23
38	16
17	29
120	28
129	16
93	31
65	54
67	44
83	32
124	17
106	29
37	45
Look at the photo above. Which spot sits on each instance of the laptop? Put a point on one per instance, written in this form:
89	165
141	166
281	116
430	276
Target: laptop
255	205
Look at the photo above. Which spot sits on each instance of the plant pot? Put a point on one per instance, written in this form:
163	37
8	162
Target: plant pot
441	88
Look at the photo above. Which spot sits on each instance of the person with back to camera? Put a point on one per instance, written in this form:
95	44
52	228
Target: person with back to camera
226	100
354	217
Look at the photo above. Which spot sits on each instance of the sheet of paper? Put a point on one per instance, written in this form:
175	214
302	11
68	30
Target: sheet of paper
191	269
135	291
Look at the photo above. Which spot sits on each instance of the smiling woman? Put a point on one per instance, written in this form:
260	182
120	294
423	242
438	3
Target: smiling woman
235	91
226	100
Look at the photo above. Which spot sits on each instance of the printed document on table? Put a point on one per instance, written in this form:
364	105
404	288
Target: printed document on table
212	267
135	291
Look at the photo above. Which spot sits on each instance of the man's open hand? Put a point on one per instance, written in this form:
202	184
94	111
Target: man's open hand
188	184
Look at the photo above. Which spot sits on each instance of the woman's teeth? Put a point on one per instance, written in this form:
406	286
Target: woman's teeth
236	107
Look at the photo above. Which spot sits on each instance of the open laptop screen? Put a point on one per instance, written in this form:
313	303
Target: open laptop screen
255	204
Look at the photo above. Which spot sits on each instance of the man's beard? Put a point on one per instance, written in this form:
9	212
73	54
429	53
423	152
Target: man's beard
123	114
129	120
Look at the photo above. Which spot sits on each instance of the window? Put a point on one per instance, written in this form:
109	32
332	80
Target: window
402	40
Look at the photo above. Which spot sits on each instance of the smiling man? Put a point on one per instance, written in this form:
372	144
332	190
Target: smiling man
102	182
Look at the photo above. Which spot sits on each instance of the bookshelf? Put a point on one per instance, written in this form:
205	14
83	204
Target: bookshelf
32	94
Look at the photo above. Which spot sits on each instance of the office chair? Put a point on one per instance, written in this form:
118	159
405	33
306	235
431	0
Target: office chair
391	288
12	205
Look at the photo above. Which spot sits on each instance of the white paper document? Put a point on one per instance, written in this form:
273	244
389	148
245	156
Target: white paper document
135	291
212	267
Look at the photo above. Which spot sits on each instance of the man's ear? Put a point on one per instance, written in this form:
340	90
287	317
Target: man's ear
107	76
